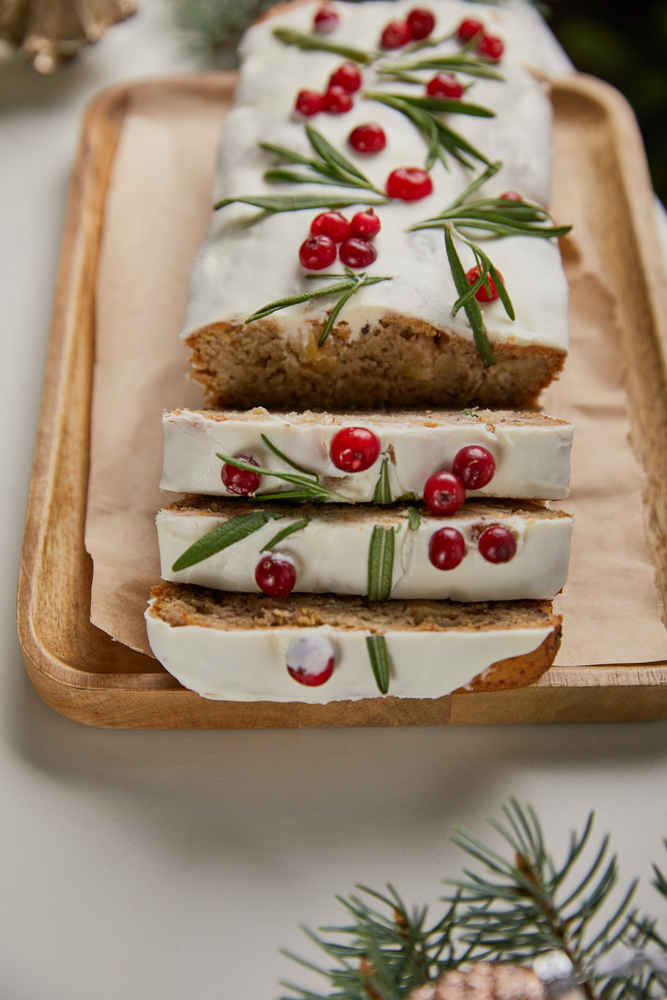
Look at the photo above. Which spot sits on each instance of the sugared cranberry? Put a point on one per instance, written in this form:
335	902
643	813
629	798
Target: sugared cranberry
317	252
468	29
444	493
497	544
445	85
474	466
365	224
420	22
395	35
481	294
276	575
446	548
310	660
357	253
490	47
511	196
337	101
242	482
308	103
409	183
346	76
326	19
368	138
331	224
354	449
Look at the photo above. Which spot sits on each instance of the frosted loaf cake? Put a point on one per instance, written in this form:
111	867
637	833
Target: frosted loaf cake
395	342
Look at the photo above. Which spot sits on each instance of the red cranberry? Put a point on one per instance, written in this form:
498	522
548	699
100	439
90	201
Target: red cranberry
490	47
240	481
308	103
317	252
395	35
409	184
511	196
310	660
445	85
346	76
481	294
354	449
357	253
444	493
497	544
420	22
276	575
446	548
468	29
337	101
331	224
474	466
365	224
326	19
368	138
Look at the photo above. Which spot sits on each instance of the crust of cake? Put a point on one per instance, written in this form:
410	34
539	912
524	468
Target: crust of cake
400	362
182	604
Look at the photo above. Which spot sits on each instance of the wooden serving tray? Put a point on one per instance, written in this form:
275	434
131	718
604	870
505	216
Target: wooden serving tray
82	673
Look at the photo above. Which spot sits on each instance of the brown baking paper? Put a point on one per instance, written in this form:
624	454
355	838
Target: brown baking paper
156	215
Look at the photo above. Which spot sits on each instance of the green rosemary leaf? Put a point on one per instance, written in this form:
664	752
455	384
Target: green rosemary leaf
288	154
443	105
413	518
377	654
333	315
453	64
298	202
284	458
311	496
289	530
382	492
502	292
448	134
492	169
472	310
222	536
406	496
292	300
380	563
289	37
331	156
307	487
471	413
292	177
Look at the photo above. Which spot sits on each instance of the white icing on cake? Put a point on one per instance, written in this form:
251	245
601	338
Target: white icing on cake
249	664
331	554
532	458
241	268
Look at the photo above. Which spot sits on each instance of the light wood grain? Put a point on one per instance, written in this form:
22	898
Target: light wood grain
83	674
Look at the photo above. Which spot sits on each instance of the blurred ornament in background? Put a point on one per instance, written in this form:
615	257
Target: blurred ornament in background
51	32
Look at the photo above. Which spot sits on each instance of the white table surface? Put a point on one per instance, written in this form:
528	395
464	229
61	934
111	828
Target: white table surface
165	865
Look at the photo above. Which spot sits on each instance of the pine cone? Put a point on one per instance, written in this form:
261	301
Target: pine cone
51	32
484	981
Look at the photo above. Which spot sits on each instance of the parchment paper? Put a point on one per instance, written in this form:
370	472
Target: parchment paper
156	215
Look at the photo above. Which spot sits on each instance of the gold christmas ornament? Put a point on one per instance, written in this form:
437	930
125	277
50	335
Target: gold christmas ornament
484	981
51	32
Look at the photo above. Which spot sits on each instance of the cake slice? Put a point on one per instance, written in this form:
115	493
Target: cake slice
239	647
530	451
486	551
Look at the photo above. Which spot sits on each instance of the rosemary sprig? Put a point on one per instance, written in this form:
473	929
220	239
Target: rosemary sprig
382	492
309	486
298	202
285	533
351	282
222	536
380	563
460	62
414	518
377	654
424	113
290	37
470	305
331	167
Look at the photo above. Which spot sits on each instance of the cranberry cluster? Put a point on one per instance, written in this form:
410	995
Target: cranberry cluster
337	98
488	46
447	547
418	25
331	235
